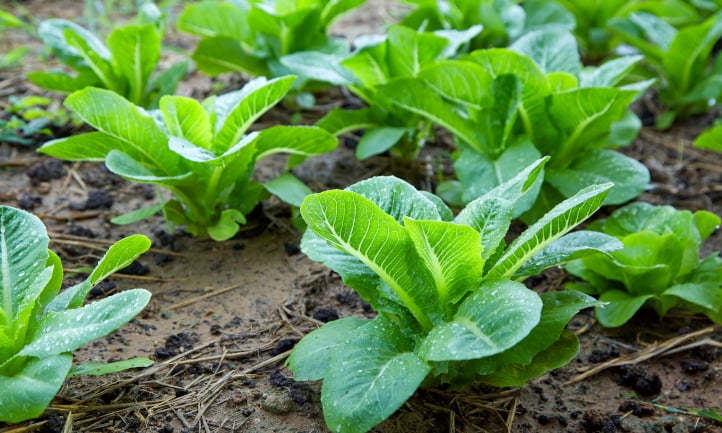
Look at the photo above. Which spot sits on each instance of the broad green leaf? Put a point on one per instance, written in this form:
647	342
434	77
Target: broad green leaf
91	146
609	73
630	177
317	66
186	118
98	369
494	318
706	223
491	217
65	331
480	174
569	247
369	65
213	18
120	255
397	198
333	9
123	165
136	51
27	392
217	55
360	228
339	121
288	188
353	271
52	32
61	81
98	60
167	81
409	51
585	117
561	219
452	253
620	307
374	373
499	120
685	60
708	296
379	140
553	49
417	97
296	140
463	82
562	352
263	95
559	308
625	130
23	257
109	113
309	359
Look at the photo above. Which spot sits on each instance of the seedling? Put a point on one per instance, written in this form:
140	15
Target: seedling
31	116
40	327
201	152
659	267
451	309
125	65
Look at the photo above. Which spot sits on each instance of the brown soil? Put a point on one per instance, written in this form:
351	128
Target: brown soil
224	316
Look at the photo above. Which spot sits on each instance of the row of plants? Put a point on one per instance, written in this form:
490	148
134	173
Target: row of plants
537	134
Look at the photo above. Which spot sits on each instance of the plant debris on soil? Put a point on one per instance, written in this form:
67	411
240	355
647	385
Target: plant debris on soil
225	316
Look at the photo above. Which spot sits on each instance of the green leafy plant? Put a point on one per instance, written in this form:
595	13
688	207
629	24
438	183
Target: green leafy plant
592	17
403	53
690	77
31	116
254	36
508	106
503	21
450	307
659	267
40	326
125	66
201	152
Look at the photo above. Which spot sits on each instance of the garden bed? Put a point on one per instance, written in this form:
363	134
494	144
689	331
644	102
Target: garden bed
225	315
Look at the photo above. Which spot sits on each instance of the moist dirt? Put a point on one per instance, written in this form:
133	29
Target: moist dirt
224	316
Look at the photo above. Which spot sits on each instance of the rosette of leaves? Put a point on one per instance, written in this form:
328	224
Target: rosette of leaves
403	53
690	76
451	309
508	106
201	152
503	21
40	326
659	268
254	36
126	64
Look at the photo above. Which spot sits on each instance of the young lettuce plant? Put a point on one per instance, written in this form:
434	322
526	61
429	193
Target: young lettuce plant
125	65
201	152
503	21
690	77
451	309
659	267
40	326
403	53
508	106
597	40
254	36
